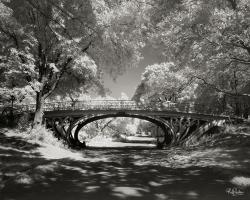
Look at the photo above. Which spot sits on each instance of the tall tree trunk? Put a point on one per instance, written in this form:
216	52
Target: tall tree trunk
237	111
11	117
38	119
223	104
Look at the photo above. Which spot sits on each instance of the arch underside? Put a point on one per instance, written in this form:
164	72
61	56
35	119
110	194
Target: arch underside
175	129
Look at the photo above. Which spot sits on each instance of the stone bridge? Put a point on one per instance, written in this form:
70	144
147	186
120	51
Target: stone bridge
176	121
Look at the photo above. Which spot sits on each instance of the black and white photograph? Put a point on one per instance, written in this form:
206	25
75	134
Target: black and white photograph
124	99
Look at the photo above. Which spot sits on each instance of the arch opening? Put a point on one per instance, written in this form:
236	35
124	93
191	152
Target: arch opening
162	128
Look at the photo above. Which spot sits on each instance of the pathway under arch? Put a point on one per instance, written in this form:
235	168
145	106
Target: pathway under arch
165	127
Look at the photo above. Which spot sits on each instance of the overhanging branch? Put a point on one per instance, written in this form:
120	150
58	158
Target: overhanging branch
218	89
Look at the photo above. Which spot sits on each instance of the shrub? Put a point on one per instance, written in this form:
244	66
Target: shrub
117	137
207	139
23	123
230	129
43	135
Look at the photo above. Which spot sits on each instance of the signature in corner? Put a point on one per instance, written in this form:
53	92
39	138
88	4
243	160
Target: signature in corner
234	191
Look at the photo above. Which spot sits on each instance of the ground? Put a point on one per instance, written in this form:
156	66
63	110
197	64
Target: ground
31	170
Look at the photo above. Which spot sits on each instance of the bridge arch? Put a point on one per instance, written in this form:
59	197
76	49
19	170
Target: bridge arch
177	120
165	126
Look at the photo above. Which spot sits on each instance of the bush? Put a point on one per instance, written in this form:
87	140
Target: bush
43	135
117	137
23	123
207	139
230	129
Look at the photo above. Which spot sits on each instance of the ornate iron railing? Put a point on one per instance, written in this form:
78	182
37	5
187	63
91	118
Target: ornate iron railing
121	105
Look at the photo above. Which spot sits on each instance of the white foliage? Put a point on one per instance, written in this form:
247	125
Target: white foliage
85	66
4	11
124	96
53	67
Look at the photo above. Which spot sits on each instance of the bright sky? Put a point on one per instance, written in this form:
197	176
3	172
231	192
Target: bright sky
128	82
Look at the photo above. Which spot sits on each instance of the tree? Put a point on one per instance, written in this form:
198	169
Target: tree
148	128
211	39
47	44
162	82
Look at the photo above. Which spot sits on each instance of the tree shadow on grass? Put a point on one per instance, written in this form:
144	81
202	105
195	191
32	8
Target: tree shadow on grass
121	174
68	179
16	157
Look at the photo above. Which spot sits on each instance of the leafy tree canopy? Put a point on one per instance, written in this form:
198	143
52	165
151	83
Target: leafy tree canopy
208	39
162	82
48	44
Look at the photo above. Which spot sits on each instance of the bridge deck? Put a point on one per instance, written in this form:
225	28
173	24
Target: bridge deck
78	108
165	113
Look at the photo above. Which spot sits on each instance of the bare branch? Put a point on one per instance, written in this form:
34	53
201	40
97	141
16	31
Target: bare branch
58	78
218	89
107	124
242	61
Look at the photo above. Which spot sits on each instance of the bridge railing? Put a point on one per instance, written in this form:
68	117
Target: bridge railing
121	105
